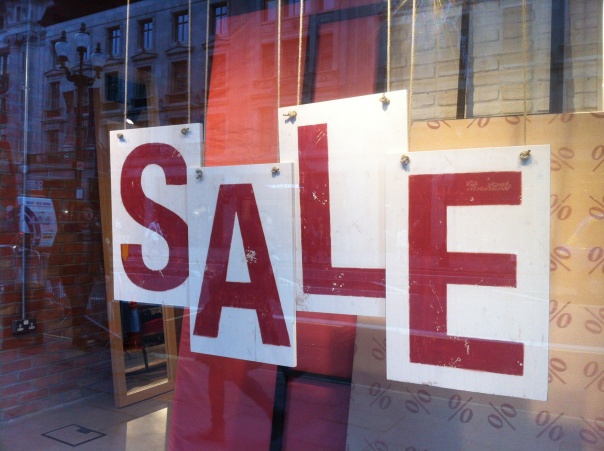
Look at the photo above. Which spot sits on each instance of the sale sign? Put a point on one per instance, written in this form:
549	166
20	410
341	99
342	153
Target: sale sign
148	208
241	238
467	272
339	147
451	247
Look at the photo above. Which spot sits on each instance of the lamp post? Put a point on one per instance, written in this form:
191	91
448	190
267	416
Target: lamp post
78	77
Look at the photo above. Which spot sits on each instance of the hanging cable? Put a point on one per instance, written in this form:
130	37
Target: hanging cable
205	86
189	64
22	224
411	75
278	72
524	67
126	63
300	29
388	43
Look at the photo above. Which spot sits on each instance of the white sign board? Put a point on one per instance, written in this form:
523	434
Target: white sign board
339	147
149	223
241	237
467	270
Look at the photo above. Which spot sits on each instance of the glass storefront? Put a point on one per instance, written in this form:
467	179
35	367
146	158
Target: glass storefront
313	224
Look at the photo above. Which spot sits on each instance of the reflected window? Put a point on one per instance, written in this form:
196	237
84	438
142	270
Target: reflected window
112	87
181	27
178	81
54	95
52	141
327	4
219	19
146	32
268	60
4	60
114	36
270	9
143	78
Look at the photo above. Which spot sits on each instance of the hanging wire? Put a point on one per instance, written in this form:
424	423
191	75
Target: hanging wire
25	169
388	43
206	82
300	29
278	72
278	54
189	64
411	75
524	67
127	51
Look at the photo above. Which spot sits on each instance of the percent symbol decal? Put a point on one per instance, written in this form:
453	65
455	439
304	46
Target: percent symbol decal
594	432
563	320
596	255
556	366
559	207
379	352
378	445
597	155
543	421
558	257
419	401
595	326
561	158
465	413
592	371
597	212
504	412
376	391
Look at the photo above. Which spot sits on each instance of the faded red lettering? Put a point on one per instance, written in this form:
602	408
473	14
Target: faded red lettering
260	293
432	268
319	276
155	217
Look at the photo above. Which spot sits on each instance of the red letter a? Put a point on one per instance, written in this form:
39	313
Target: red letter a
261	293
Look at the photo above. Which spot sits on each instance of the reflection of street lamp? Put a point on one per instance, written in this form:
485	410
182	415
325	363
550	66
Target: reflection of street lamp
79	79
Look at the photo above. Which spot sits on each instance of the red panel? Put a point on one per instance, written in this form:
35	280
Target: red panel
220	403
242	129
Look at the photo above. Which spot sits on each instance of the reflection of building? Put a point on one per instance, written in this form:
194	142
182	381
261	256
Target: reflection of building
146	77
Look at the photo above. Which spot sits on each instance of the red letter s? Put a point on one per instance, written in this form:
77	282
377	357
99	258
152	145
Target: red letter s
155	217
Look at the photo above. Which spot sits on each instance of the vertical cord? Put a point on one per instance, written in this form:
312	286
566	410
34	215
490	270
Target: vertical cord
524	66
278	54
388	44
300	27
189	64
127	51
411	77
206	81
25	168
278	72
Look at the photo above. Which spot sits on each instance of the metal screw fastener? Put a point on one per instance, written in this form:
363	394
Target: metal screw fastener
198	173
120	136
185	130
275	170
525	155
291	114
405	160
385	100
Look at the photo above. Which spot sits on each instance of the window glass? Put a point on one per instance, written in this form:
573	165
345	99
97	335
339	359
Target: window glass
417	185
